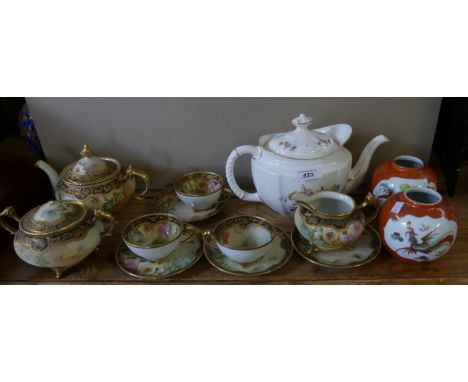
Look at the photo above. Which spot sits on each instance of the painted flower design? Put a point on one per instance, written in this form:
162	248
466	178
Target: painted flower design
396	236
324	142
225	236
288	145
353	232
330	235
131	263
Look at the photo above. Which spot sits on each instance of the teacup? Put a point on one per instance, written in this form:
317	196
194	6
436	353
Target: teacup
154	236
331	220
244	239
200	190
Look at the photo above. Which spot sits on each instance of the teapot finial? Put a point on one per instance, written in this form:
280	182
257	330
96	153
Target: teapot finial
86	152
302	121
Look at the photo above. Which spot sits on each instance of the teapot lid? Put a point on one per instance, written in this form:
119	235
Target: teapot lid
90	169
53	217
302	143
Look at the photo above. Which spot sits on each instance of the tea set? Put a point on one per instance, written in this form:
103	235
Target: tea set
304	174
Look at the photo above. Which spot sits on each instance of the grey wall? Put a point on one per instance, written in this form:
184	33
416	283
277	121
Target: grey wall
168	136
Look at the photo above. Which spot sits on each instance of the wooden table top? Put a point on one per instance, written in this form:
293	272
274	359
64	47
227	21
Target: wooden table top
100	266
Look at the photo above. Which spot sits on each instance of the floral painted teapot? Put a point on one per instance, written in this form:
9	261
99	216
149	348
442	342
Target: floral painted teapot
97	182
58	234
302	160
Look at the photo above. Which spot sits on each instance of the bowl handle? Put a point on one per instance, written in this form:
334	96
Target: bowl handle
9	212
209	239
231	161
104	215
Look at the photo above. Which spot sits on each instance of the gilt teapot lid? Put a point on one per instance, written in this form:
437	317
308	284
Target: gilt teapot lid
53	217
302	143
90	169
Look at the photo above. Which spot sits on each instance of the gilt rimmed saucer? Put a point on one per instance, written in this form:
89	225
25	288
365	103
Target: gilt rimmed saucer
185	255
167	201
279	254
365	249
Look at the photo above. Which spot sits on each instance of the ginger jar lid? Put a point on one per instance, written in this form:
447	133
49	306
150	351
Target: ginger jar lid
302	143
53	217
90	169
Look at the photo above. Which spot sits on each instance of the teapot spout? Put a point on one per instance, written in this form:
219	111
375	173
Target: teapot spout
359	170
51	173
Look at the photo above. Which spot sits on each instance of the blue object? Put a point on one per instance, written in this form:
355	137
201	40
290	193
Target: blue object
28	130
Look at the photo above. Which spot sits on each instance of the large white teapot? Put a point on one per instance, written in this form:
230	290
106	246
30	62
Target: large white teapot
301	160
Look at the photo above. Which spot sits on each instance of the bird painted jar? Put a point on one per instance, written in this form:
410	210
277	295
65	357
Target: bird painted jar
418	225
400	174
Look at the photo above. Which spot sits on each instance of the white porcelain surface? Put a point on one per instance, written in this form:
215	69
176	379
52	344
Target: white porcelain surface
396	184
153	254
243	256
201	202
276	176
420	238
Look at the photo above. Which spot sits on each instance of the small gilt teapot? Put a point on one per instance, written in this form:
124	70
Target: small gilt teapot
97	182
57	234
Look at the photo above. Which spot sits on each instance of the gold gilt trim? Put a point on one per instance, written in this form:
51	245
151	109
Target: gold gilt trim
33	228
178	184
288	248
112	171
152	218
239	221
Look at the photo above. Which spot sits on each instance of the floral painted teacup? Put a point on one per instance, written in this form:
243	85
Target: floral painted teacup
154	236
244	239
331	220
200	190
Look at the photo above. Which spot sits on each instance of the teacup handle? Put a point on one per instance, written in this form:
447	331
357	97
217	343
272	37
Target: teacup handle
209	239
132	170
104	215
190	230
9	212
373	202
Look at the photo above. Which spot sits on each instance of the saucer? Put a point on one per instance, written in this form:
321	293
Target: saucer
167	201
366	249
279	255
184	256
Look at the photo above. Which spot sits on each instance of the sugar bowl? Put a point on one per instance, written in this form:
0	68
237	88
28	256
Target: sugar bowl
57	234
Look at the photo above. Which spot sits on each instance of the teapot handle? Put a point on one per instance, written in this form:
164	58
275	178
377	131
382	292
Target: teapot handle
9	212
231	161
104	215
133	171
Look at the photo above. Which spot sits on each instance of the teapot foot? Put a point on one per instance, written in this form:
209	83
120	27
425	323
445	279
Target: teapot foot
59	271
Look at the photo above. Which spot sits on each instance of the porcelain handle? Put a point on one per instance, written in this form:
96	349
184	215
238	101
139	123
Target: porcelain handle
231	161
104	215
373	202
143	175
209	239
9	212
189	230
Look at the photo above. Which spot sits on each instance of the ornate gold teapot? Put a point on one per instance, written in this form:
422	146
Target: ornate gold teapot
97	182
57	234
